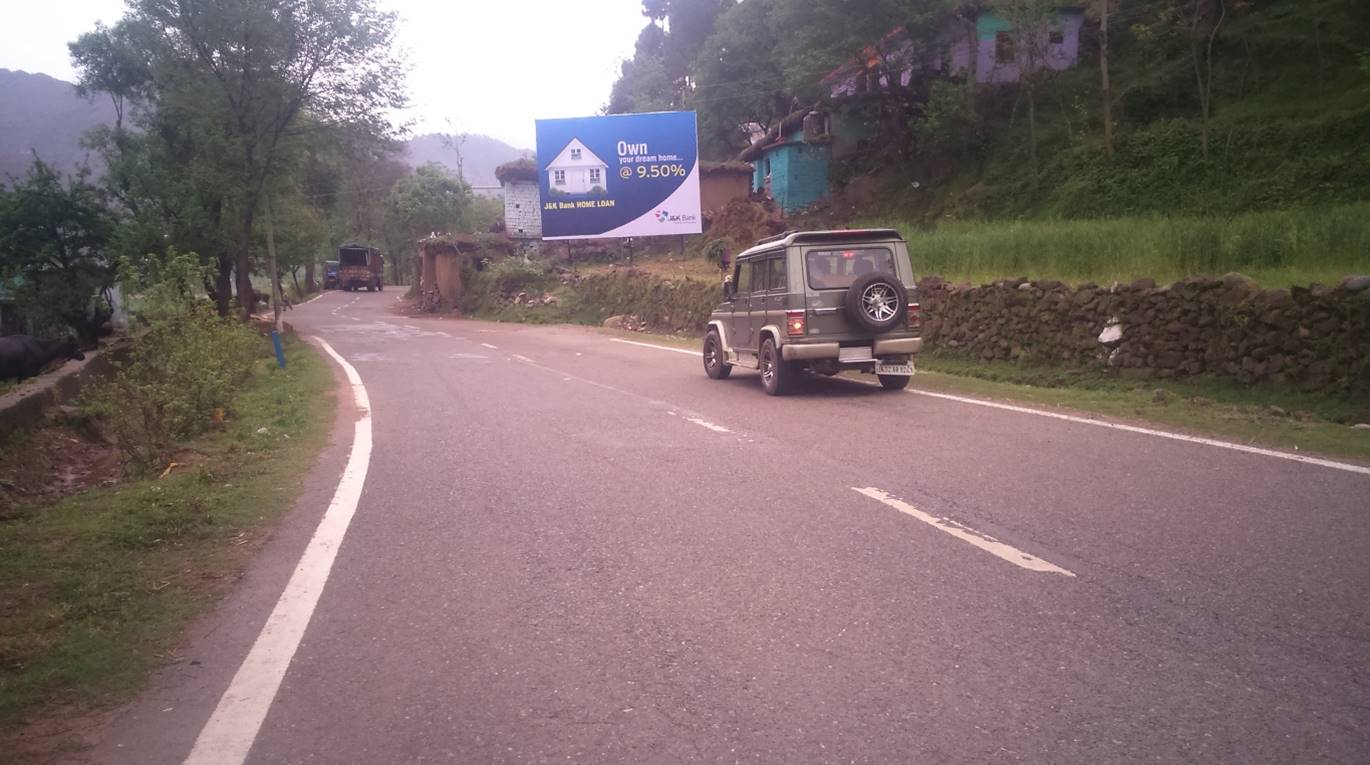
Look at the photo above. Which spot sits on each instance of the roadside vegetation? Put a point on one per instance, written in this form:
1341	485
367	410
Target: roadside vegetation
1277	248
97	587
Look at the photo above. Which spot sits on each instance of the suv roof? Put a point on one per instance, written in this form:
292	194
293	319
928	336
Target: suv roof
819	237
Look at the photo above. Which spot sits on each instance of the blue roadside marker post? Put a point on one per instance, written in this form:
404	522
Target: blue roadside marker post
280	352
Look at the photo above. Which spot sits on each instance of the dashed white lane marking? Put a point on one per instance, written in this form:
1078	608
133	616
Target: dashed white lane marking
706	424
1344	466
229	734
966	534
491	347
658	347
523	358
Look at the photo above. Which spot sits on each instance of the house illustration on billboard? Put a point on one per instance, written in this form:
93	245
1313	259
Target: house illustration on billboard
576	170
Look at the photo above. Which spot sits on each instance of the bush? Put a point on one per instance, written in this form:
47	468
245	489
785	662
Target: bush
514	275
715	251
185	366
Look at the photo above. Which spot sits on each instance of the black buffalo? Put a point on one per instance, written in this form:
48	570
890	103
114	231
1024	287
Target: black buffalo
22	356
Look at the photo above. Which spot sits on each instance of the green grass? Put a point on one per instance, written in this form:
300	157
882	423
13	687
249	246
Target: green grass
96	589
1277	249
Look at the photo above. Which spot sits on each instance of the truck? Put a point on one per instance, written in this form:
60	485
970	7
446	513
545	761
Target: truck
360	266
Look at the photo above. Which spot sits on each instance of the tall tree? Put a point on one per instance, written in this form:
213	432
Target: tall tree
257	67
738	79
431	201
54	237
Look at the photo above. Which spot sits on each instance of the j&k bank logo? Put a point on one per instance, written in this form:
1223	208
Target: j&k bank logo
664	216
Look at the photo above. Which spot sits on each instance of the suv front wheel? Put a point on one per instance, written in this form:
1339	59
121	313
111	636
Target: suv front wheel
777	375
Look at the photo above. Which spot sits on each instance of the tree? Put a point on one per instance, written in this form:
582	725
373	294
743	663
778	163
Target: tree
1031	21
431	201
54	239
249	71
738	79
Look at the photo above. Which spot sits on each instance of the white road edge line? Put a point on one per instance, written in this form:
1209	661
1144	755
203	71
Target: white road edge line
230	731
706	424
966	534
491	347
658	347
1345	466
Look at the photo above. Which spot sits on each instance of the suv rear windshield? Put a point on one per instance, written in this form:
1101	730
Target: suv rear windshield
837	269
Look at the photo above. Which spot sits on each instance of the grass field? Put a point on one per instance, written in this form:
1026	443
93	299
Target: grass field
1277	249
95	589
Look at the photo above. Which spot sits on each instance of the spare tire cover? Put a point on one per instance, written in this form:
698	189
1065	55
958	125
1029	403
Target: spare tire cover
877	302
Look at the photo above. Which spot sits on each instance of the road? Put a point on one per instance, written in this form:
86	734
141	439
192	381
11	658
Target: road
571	548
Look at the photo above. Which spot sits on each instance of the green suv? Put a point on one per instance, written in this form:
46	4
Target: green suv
825	301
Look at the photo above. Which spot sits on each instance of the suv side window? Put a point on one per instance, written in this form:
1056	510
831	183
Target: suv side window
758	275
777	271
742	281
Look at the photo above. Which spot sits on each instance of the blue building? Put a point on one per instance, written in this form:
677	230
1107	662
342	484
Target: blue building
790	163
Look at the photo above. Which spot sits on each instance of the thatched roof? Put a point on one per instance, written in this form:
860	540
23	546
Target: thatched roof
518	170
724	168
448	243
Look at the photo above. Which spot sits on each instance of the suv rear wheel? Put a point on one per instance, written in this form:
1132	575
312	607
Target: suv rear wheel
777	375
714	365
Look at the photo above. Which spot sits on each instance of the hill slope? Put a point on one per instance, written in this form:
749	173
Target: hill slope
476	155
42	114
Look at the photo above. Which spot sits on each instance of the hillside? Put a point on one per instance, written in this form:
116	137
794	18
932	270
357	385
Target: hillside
42	114
476	155
1289	127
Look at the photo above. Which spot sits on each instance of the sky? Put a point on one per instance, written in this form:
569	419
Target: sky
478	66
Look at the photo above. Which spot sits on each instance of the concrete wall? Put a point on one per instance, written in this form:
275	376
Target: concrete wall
522	210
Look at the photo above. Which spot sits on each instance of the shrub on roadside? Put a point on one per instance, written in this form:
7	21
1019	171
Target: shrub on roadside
187	364
514	275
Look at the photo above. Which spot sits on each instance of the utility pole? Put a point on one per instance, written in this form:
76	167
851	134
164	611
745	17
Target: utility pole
1103	71
277	324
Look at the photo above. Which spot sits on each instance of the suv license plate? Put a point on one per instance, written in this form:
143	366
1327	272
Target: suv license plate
881	368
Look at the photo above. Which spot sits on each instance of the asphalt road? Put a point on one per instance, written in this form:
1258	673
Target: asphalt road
575	549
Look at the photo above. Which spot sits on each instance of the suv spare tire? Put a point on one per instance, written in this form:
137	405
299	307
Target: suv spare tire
877	302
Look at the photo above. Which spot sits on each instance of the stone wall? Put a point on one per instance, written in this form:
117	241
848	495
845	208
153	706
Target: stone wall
522	209
1315	339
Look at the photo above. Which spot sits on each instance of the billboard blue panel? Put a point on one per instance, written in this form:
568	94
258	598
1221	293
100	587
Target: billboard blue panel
619	175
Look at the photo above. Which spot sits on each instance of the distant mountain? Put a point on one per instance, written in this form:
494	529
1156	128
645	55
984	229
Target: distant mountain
477	156
42	114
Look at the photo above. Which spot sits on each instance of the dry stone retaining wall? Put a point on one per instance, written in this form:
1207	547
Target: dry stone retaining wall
1315	339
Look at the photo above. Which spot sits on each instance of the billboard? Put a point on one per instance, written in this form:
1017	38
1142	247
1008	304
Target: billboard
619	175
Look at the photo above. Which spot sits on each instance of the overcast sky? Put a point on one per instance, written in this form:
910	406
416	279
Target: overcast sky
479	66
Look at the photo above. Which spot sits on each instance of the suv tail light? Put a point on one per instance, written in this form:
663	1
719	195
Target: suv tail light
915	320
795	324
